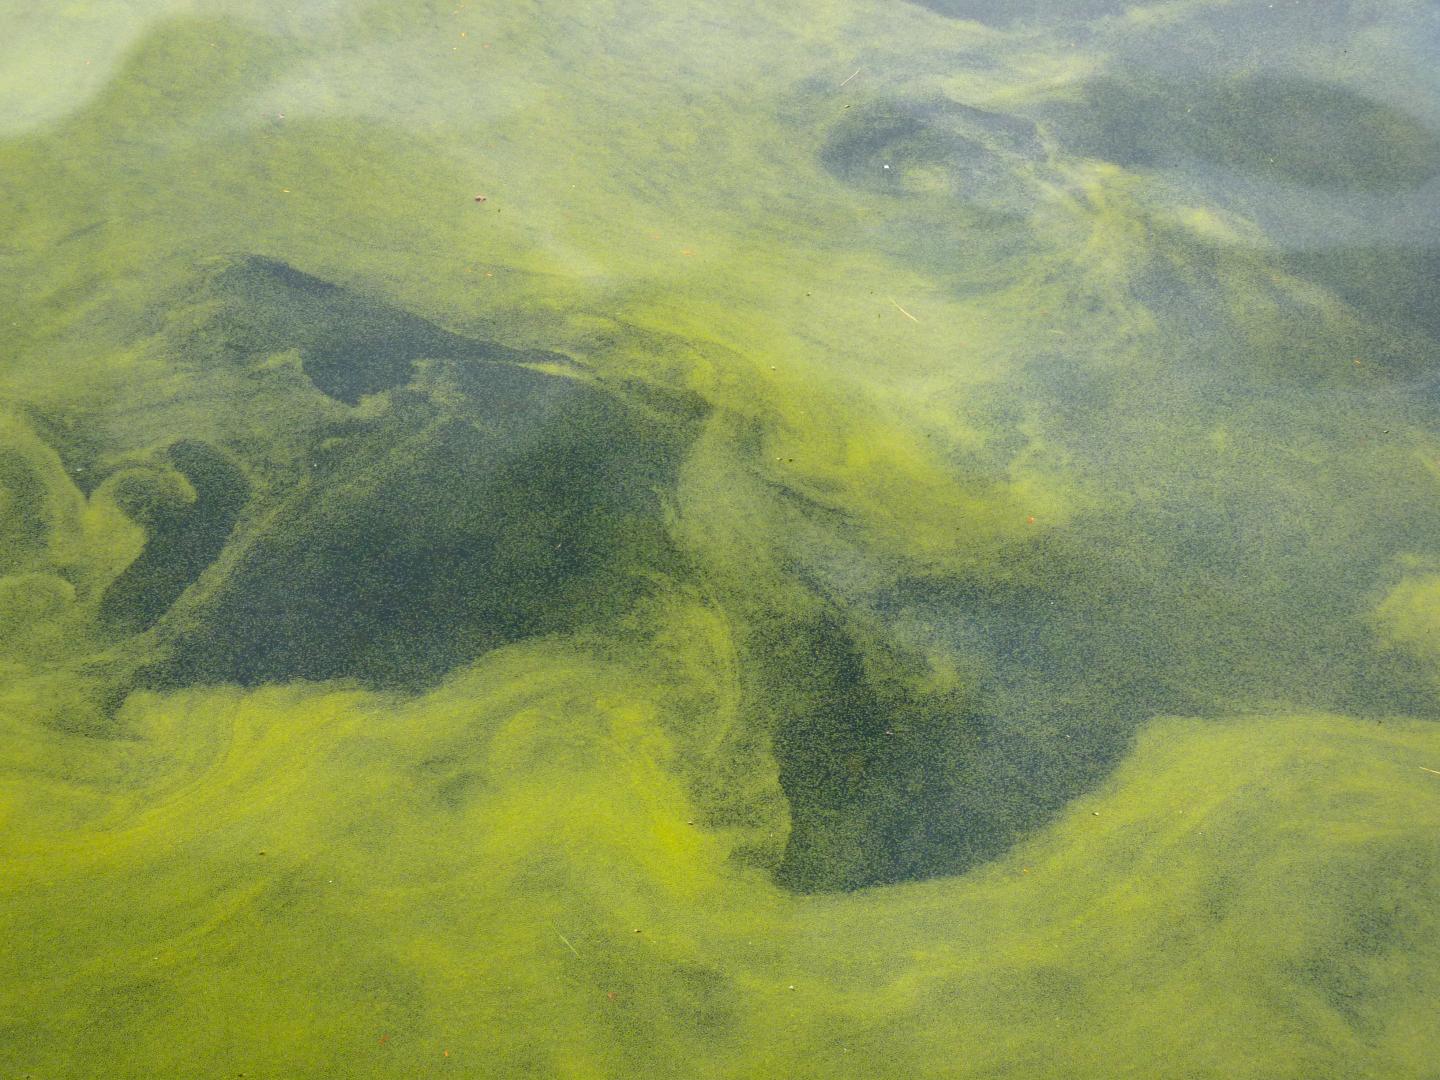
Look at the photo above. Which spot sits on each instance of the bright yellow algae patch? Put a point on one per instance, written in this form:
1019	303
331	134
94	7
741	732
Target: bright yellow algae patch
1248	894
1409	616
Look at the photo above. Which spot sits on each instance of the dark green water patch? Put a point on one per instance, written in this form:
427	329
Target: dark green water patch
183	535
881	774
427	538
1393	286
704	1000
24	518
888	780
831	748
350	344
1286	128
75	442
1061	679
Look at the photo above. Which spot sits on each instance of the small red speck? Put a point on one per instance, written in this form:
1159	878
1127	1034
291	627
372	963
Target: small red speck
1030	520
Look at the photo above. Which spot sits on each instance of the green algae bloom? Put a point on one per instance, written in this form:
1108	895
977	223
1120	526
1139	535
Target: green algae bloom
888	539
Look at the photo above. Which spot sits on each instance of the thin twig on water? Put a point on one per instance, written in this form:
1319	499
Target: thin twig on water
566	940
904	312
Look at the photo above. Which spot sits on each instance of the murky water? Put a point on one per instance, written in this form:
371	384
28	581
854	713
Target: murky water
869	539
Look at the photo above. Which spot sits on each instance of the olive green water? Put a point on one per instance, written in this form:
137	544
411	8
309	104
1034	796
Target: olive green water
882	539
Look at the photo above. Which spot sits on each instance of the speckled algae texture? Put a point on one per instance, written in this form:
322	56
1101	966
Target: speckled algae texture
885	539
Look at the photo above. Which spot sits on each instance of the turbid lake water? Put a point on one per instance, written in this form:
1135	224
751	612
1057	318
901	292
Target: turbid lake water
600	539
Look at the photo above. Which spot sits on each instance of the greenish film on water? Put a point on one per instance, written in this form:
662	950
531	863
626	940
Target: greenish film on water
609	539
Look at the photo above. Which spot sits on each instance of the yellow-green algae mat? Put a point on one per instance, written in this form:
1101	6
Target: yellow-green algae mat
876	539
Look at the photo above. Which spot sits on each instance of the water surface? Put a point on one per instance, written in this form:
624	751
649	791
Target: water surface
869	539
